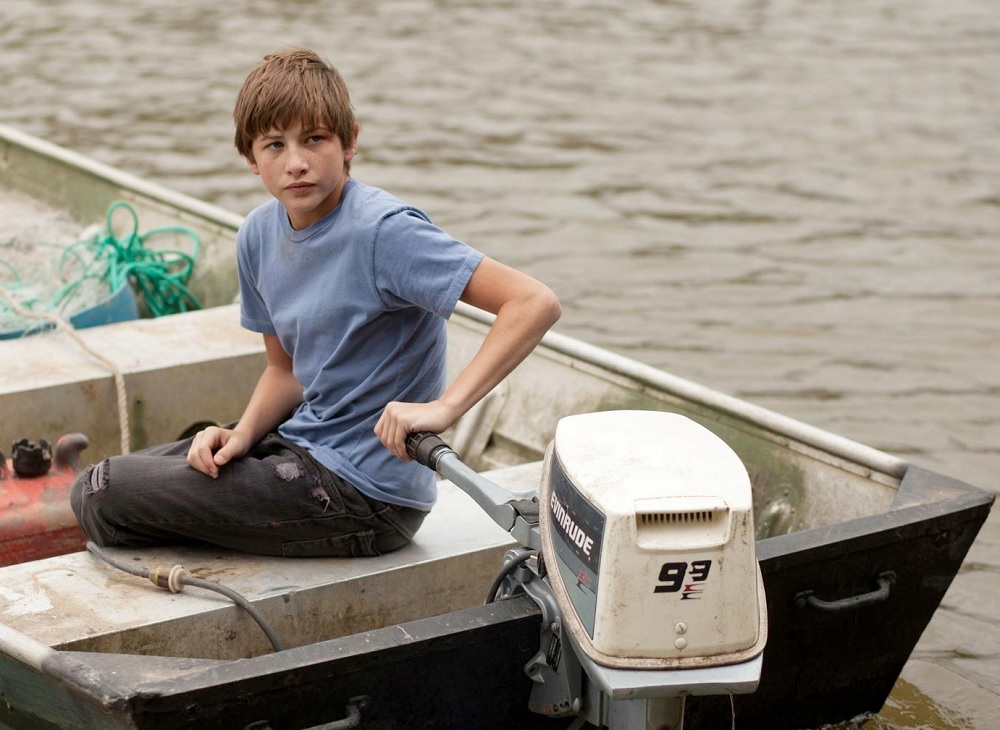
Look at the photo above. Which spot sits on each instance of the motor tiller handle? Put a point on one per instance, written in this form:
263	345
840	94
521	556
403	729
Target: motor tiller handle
512	512
426	448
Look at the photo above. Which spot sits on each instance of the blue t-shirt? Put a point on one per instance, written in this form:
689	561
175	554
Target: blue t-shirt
359	301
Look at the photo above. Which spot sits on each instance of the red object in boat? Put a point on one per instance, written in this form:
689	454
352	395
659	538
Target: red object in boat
36	520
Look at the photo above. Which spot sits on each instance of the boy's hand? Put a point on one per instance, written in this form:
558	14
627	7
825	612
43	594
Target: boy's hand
399	420
215	447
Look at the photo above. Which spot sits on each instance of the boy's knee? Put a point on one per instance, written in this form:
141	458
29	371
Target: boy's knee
92	479
88	483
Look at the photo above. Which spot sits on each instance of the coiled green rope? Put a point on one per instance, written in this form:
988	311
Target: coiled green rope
160	276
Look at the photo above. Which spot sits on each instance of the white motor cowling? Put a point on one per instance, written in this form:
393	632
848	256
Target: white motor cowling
647	530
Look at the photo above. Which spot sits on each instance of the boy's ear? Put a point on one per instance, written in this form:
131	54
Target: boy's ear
353	149
252	165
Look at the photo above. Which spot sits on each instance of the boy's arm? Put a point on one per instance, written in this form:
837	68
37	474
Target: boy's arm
275	396
525	309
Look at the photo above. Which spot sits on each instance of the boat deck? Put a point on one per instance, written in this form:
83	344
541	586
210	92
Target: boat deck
78	602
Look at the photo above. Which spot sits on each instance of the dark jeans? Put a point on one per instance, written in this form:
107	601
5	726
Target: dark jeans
277	500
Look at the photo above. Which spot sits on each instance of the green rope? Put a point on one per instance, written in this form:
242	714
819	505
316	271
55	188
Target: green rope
159	276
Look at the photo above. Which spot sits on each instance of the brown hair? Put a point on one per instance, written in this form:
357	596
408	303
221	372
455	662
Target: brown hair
289	86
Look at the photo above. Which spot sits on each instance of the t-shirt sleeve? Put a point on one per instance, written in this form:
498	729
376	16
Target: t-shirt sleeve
416	263
253	312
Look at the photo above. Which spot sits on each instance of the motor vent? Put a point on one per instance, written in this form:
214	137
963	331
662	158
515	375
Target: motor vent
681	521
675	518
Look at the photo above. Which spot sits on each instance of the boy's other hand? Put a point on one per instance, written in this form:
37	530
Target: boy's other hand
215	447
399	420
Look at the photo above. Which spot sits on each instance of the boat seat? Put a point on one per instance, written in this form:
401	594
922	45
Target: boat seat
78	602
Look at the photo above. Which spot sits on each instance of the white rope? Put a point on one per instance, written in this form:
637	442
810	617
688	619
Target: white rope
65	326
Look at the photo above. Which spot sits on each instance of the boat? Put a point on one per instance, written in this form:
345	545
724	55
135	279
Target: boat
856	547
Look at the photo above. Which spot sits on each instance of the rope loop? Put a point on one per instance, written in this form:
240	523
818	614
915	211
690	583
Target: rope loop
159	276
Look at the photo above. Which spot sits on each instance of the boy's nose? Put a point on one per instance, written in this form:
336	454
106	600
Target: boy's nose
297	162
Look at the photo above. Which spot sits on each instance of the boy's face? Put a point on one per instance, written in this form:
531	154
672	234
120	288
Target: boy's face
303	169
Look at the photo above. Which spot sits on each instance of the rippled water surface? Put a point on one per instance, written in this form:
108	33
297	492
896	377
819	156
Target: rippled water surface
796	202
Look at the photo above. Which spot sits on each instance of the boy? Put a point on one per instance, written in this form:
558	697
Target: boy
350	288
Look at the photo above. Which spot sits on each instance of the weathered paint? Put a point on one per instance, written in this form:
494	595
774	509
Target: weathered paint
35	517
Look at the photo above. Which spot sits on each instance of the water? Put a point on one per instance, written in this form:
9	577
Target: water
794	202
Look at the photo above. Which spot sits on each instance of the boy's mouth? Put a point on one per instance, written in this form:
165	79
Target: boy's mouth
299	187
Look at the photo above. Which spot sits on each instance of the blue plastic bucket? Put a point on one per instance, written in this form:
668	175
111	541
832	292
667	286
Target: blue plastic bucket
120	306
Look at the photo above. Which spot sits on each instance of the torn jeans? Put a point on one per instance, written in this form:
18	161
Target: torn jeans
277	500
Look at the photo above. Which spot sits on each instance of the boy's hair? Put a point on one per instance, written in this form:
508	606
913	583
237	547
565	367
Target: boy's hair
289	86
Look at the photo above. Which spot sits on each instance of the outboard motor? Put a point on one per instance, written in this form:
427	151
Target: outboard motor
649	540
647	576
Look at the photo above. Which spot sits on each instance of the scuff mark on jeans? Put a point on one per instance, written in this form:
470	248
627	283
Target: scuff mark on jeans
97	477
288	470
320	495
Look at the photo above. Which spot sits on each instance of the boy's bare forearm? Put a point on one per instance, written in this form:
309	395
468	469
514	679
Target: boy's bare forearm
277	392
276	395
519	326
525	309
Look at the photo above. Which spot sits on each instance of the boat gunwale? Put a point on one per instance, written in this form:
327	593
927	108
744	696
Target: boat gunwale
66	668
968	504
659	380
126	181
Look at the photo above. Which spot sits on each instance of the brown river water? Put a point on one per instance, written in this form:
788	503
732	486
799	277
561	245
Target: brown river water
793	201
